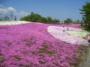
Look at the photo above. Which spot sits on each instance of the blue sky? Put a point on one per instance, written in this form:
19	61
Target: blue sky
60	9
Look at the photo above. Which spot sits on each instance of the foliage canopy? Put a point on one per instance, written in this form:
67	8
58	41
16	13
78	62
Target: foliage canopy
85	11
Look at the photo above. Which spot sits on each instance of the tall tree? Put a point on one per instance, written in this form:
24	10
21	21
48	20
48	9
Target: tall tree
85	11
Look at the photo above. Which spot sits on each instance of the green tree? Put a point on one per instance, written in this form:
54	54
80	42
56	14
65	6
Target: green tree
68	20
85	11
44	20
0	19
57	21
77	21
49	19
34	17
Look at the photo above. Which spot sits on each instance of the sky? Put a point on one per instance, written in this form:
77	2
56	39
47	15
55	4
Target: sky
60	9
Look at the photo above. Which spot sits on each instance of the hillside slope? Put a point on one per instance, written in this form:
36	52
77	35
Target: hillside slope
31	45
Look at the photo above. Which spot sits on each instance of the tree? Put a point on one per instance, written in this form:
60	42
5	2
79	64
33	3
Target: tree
0	19
56	21
77	21
34	17
44	20
85	11
49	19
68	20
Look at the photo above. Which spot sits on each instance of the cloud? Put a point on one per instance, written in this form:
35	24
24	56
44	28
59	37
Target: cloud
11	9
8	11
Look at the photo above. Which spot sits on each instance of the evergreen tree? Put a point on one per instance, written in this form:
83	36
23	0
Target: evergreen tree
85	11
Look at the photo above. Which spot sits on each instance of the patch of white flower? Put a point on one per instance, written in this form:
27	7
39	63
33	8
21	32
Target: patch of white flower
13	22
66	34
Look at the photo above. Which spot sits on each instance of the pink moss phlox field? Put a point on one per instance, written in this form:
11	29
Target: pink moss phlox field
30	45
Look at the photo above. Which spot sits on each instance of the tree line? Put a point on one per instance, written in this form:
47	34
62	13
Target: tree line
34	17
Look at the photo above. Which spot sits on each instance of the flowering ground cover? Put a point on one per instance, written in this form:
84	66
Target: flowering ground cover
69	34
12	22
31	45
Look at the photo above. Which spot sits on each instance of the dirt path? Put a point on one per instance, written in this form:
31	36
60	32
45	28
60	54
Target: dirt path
87	62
